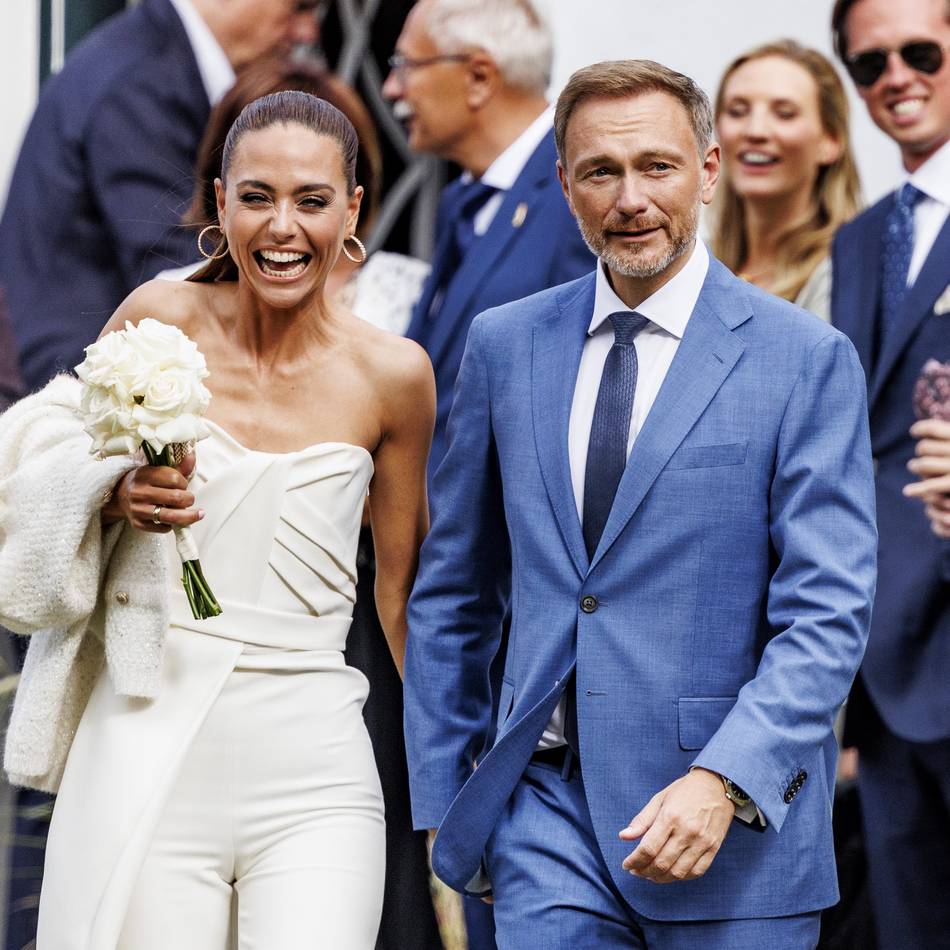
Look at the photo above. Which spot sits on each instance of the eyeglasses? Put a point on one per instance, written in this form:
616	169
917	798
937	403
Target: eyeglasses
925	56
402	64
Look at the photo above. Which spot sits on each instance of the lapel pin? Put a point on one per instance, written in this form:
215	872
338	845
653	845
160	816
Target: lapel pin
521	212
942	305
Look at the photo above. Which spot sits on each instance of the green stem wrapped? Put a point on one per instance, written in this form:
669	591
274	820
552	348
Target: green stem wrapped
202	601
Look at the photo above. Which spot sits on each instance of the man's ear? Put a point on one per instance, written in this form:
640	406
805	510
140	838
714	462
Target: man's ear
711	166
482	80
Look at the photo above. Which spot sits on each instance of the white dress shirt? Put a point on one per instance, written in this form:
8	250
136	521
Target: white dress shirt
933	179
505	169
668	311
217	74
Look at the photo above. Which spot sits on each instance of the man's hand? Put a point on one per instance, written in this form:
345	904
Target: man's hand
932	466
682	827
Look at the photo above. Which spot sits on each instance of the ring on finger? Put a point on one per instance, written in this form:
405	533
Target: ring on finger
156	515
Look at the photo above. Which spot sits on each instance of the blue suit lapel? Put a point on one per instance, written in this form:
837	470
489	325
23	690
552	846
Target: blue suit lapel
487	250
918	305
856	316
705	357
555	357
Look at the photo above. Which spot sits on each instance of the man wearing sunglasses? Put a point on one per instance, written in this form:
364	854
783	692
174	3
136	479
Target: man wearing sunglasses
891	269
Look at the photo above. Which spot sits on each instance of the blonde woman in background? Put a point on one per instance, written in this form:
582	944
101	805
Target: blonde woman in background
790	178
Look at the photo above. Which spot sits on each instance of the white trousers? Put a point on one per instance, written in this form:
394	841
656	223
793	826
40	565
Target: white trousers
273	837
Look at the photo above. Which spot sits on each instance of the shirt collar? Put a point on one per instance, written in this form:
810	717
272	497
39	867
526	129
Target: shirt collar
217	74
505	169
669	307
933	177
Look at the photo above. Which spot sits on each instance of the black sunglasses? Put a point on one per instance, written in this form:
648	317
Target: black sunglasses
866	68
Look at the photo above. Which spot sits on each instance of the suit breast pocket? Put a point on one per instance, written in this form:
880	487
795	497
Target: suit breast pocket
708	456
700	717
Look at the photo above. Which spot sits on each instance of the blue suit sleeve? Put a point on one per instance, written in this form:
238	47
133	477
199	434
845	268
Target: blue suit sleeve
824	537
141	158
459	602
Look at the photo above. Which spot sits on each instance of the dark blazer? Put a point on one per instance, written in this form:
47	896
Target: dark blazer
11	386
533	243
907	663
103	177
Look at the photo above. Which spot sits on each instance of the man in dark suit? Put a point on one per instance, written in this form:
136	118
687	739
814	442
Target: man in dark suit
469	81
105	170
891	274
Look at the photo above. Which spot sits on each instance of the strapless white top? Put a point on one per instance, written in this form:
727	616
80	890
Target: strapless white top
278	542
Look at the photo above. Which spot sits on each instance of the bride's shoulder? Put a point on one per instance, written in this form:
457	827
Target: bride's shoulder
398	365
175	302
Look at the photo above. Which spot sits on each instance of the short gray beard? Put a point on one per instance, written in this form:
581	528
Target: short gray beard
625	267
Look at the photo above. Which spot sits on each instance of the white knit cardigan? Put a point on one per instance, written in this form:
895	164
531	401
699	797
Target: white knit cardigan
86	595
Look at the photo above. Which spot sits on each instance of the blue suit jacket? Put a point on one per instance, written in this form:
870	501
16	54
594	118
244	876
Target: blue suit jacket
907	666
734	581
104	174
532	243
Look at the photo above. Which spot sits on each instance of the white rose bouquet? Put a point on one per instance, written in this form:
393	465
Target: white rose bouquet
143	390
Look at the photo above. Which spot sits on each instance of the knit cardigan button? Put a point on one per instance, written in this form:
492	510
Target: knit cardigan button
122	597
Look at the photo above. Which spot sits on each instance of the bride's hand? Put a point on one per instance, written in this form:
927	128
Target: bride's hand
154	498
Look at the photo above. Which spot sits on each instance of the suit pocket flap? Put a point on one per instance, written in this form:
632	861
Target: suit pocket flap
700	717
709	456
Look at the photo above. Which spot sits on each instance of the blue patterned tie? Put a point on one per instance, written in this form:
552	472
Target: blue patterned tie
897	250
606	460
607	451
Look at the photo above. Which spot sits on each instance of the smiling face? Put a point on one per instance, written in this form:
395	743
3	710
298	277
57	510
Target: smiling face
770	129
913	108
635	181
431	100
286	211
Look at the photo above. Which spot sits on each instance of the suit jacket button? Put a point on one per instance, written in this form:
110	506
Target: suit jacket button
122	598
589	604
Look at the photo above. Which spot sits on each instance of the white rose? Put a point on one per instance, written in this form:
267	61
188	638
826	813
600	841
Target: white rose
112	363
159	430
165	347
109	422
170	392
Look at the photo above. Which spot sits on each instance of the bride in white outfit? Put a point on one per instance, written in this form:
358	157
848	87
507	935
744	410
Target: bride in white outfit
241	806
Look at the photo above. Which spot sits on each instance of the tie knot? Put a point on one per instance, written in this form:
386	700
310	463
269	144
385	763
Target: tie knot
910	196
627	324
473	196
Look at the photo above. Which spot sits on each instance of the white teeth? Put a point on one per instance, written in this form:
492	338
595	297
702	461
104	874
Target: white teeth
757	158
282	257
402	110
284	274
908	106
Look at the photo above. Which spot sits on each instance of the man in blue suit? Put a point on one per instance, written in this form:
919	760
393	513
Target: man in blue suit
667	474
469	80
106	169
891	296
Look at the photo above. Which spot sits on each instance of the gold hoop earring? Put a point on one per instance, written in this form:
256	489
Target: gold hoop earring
203	252
359	244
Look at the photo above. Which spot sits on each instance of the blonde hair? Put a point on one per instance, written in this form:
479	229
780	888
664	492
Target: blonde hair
837	192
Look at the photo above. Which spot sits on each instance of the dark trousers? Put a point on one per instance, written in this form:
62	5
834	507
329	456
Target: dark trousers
408	921
905	801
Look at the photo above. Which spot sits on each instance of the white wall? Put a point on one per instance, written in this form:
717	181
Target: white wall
19	78
699	38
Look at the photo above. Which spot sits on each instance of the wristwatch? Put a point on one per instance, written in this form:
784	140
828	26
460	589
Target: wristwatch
738	796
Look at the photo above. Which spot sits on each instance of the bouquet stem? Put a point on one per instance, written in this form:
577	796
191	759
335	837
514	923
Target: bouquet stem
198	591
